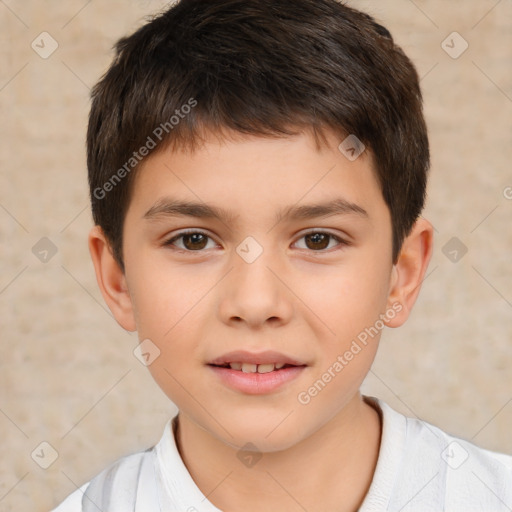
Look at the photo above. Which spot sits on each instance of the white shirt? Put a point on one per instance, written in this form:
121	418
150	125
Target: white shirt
419	468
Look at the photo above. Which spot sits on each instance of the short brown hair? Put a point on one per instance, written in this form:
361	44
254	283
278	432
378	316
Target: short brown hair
260	67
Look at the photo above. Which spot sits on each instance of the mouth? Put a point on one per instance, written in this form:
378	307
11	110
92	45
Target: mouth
252	373
250	362
255	368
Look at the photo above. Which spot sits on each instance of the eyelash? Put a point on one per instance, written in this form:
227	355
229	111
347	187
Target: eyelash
176	237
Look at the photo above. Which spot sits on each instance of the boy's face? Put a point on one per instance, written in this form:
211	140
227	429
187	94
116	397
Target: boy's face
259	281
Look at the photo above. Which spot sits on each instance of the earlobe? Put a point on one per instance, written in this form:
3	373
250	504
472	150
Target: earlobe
111	279
409	271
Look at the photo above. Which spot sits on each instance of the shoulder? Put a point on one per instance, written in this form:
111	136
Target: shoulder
453	452
429	465
471	477
116	484
146	480
73	503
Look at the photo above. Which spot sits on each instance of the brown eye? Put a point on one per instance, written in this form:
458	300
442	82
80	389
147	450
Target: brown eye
193	241
319	241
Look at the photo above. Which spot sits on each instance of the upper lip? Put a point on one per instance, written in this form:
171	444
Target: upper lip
267	357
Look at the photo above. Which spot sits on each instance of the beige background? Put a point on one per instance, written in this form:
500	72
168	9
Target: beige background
67	372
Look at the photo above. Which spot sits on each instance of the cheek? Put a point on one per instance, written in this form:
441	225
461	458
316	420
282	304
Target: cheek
173	325
169	306
164	298
351	305
344	299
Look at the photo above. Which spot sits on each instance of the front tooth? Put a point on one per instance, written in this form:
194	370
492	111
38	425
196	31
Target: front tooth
279	366
265	368
235	366
249	368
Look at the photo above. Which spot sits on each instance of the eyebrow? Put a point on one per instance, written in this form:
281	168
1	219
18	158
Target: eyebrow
168	207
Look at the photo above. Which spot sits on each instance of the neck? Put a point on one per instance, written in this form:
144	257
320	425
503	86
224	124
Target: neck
330	470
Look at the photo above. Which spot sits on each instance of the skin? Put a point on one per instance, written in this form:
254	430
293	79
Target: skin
301	298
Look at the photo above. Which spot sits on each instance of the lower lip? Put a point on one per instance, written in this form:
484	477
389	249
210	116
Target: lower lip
257	383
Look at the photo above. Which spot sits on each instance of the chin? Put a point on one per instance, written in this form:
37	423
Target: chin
268	433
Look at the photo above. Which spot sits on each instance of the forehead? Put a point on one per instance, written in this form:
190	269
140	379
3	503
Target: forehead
288	176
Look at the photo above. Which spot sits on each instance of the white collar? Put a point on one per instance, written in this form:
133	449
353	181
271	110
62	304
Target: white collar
187	496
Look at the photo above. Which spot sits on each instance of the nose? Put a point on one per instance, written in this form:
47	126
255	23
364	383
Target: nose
255	293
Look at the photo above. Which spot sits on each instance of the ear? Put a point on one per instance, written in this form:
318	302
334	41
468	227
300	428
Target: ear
409	271
111	279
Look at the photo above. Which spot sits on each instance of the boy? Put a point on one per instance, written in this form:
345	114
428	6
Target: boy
257	172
